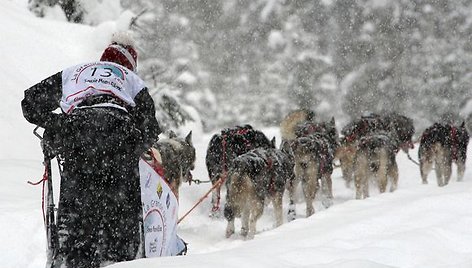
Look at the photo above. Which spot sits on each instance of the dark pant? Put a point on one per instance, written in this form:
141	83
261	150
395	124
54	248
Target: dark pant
99	204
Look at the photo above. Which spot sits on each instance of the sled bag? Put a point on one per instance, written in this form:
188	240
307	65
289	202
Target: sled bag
160	209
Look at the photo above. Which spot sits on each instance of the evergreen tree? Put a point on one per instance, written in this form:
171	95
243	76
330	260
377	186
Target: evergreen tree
72	8
242	61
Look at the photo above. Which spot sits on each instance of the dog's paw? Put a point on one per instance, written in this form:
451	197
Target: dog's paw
249	236
244	232
291	215
327	202
229	233
216	214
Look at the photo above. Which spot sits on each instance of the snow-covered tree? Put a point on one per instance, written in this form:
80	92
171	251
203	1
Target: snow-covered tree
73	9
236	60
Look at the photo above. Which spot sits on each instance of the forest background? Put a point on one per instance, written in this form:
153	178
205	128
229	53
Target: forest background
253	61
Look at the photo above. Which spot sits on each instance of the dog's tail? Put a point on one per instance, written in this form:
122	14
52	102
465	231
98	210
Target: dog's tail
438	151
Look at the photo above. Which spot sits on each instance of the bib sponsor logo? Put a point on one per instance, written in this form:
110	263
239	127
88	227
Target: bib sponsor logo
159	214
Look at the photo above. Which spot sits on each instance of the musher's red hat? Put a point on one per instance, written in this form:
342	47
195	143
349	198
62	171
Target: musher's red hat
122	51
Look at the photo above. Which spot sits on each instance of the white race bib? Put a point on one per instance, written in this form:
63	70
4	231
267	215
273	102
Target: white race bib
98	78
160	212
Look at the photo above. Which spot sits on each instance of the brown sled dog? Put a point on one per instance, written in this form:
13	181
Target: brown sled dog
399	128
346	153
222	149
441	145
290	124
255	178
375	158
313	152
351	134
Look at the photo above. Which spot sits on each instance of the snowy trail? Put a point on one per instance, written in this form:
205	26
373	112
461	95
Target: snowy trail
198	221
401	228
416	226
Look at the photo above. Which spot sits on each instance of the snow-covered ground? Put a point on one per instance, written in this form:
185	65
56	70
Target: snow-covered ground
416	226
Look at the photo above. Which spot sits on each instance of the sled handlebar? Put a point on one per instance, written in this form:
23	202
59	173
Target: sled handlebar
35	132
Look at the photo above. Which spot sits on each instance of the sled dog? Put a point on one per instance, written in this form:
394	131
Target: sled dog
402	128
291	122
345	153
399	128
313	158
223	148
440	146
313	151
177	157
255	179
375	158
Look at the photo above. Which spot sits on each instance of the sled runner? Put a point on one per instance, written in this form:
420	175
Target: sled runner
48	205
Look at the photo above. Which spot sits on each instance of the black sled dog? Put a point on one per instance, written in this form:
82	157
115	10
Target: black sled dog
255	179
440	146
222	149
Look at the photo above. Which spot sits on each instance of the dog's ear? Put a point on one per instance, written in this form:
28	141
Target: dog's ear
171	134
188	139
285	146
332	122
310	115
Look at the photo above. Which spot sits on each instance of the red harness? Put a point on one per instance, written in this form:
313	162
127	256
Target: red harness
156	165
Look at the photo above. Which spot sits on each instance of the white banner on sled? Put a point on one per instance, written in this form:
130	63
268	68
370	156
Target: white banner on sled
160	208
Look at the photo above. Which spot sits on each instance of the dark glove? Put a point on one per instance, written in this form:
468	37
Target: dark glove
52	142
142	147
142	143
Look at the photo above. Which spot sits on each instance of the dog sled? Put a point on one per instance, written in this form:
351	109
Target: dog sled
160	212
48	206
160	208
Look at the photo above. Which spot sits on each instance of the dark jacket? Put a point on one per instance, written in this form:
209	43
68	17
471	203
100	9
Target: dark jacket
42	99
